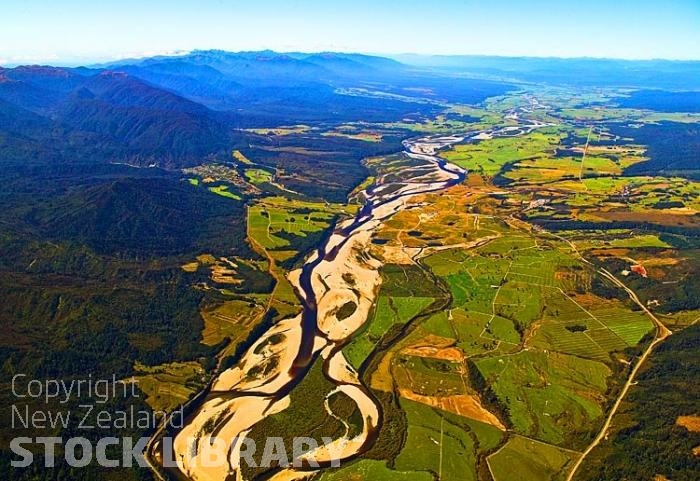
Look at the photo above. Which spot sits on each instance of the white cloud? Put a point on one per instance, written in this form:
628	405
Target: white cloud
147	53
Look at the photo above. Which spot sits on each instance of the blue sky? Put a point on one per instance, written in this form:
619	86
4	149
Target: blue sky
75	31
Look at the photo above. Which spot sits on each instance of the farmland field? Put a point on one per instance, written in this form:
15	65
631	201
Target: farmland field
535	461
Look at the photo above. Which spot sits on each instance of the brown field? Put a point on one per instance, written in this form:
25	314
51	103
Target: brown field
392	254
615	252
445	216
282	130
382	379
366	136
466	405
691	423
475	180
224	274
190	266
662	217
435	347
658	262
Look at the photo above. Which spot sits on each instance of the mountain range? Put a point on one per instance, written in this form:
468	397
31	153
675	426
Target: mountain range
174	111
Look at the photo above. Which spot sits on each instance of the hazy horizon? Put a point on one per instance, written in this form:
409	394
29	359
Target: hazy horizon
78	32
401	57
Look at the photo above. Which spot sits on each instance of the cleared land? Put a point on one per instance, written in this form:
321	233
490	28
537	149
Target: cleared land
523	459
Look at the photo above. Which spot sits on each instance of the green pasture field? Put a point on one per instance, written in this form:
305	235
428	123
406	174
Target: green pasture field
282	130
549	395
439	125
258	176
169	385
649	197
627	325
298	218
554	385
232	319
535	461
486	117
407	281
442	443
688	118
223	191
372	470
637	241
597	114
389	311
488	157
429	376
545	170
588	332
646	116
